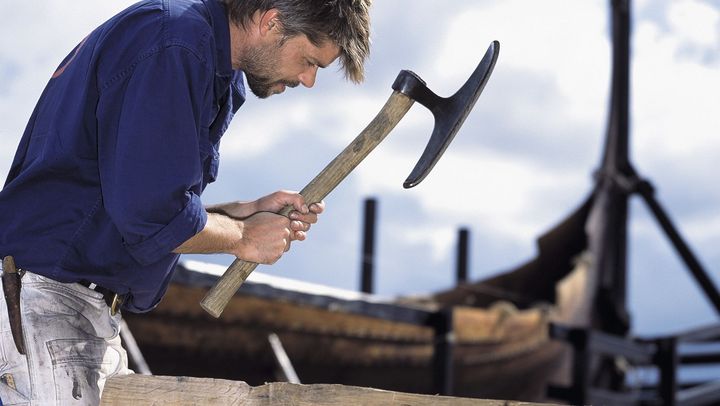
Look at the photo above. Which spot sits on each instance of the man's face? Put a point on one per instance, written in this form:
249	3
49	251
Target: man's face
270	67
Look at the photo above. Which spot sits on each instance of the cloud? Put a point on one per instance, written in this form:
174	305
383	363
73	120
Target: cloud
695	23
34	41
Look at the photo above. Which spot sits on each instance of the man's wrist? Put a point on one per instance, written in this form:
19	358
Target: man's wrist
232	232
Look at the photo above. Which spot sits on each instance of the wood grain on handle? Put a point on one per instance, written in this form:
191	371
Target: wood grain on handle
392	112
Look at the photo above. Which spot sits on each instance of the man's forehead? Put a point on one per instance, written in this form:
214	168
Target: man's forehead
322	54
326	53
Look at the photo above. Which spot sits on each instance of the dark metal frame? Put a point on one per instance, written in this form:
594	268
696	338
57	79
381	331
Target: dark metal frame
663	353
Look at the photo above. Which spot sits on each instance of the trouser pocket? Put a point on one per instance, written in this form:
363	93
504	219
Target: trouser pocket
14	376
76	367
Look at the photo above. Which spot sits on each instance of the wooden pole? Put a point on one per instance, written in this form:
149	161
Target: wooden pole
462	256
368	252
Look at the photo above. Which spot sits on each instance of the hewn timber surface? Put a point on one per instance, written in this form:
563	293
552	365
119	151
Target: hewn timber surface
171	390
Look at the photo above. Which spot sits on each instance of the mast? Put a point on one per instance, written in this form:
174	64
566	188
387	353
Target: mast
608	220
616	181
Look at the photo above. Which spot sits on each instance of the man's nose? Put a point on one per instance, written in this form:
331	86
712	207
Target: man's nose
307	77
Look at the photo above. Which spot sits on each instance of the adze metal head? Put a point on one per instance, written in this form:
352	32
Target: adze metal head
450	112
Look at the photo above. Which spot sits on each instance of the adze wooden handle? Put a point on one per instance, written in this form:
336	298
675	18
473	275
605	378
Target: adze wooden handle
392	112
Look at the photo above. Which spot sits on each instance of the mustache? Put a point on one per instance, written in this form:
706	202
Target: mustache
265	81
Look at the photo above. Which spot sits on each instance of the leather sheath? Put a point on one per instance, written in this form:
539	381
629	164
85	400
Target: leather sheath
11	281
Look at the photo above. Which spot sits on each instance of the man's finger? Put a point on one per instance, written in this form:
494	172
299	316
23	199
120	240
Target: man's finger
317	208
298	202
310	218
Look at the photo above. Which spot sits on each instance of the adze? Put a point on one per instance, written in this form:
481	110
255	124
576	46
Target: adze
450	113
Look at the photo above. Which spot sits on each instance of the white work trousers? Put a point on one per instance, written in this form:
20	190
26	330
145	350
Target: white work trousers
72	345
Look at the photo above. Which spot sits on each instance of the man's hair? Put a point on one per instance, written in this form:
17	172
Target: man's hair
345	22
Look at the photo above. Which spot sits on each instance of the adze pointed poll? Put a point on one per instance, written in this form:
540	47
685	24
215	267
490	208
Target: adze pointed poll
450	113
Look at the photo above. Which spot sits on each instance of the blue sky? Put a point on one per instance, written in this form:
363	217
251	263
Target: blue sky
521	163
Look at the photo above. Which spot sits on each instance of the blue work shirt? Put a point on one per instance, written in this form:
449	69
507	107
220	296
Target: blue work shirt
106	180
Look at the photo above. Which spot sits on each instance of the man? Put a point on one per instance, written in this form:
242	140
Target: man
103	193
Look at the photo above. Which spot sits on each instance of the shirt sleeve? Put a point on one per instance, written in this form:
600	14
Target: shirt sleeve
149	157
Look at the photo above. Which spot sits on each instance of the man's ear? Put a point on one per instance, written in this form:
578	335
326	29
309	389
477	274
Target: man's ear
269	22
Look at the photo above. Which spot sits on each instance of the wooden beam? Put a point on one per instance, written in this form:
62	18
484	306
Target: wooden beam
173	390
137	390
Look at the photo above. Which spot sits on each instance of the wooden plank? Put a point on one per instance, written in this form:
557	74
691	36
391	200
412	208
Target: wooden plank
138	390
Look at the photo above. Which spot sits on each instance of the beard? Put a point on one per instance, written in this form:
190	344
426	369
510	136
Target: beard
260	67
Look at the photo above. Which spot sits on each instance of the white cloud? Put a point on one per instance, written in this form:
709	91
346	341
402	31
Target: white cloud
261	127
569	47
442	239
34	41
695	21
497	192
675	112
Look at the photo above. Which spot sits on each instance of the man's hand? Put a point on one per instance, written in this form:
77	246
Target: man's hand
265	238
253	231
302	217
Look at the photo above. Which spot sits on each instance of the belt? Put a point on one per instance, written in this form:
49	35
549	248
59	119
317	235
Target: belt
113	300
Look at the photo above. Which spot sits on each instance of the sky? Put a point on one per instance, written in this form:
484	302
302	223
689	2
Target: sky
522	162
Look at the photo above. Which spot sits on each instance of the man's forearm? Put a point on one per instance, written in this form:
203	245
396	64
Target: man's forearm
236	210
221	234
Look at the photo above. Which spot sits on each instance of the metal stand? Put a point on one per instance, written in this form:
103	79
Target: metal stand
664	354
